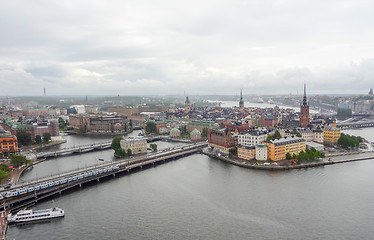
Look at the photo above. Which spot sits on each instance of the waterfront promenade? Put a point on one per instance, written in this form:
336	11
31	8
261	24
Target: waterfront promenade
326	161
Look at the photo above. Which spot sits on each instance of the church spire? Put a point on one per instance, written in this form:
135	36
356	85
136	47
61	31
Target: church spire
241	102
305	103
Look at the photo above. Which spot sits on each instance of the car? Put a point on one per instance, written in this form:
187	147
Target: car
9	185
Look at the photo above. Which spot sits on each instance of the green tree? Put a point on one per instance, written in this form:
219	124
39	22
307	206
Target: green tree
277	135
233	151
150	127
298	135
125	127
154	147
204	133
269	138
38	139
24	138
129	153
116	143
130	123
18	160
46	137
288	156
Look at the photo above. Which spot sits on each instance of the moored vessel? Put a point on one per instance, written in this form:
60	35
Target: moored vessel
31	215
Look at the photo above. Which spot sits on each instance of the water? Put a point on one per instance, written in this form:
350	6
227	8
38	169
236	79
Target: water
197	197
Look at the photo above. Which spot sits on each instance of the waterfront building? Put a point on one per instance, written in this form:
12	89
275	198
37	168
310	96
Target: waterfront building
8	142
97	123
136	145
252	138
221	139
278	148
318	135
331	135
175	133
195	135
304	111
246	152
261	152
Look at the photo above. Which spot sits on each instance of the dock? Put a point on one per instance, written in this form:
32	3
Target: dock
3	223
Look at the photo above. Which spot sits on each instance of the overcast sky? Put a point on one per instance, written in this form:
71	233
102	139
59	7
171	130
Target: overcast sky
148	47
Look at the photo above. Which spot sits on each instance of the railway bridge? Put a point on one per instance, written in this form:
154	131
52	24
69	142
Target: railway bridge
28	193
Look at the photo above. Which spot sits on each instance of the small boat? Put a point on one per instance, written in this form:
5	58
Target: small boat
31	215
100	159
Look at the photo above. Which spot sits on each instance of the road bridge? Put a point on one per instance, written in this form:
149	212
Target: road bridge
31	192
85	148
359	124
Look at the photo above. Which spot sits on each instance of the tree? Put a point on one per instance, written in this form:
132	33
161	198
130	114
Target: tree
46	137
298	135
125	127
18	160
204	133
24	138
116	143
154	147
129	153
269	138
150	127
38	139
288	156
183	129
233	151
130	123
277	135
347	141
4	170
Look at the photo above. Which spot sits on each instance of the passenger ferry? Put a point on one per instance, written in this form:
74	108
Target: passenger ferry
31	215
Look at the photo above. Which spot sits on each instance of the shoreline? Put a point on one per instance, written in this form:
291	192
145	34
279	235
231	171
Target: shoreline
290	167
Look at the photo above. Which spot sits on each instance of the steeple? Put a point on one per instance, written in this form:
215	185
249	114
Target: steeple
241	102
305	103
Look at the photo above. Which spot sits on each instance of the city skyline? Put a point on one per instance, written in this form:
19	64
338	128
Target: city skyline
163	48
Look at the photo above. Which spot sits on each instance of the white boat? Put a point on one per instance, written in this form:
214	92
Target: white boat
31	215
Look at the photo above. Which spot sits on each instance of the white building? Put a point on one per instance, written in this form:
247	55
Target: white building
261	152
252	138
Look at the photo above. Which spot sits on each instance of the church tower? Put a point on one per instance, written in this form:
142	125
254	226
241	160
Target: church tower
304	111
187	105
241	102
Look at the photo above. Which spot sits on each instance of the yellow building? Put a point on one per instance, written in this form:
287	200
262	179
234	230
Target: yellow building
246	152
331	135
136	145
277	149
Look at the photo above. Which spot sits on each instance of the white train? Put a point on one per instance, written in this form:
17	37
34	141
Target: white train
44	185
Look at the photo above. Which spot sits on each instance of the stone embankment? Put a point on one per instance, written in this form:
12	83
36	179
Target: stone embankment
246	164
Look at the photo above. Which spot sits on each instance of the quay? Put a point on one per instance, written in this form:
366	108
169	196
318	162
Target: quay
245	164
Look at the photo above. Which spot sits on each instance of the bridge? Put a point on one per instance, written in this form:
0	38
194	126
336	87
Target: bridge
29	193
358	124
85	148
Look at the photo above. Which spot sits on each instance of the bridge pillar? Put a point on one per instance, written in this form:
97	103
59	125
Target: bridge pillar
59	192
98	179
80	185
114	174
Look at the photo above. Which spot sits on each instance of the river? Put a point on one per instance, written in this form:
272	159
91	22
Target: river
198	197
